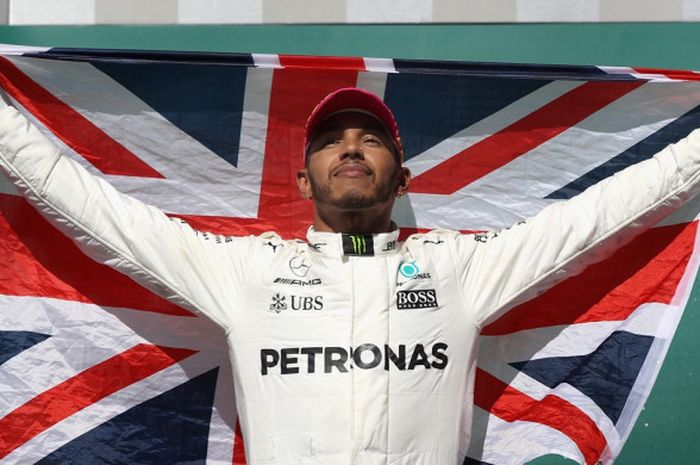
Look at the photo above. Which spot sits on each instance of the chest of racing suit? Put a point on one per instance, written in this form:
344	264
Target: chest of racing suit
354	350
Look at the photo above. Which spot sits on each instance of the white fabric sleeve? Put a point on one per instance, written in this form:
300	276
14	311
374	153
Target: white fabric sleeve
163	254
502	269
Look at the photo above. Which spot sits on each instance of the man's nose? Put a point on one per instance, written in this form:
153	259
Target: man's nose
352	148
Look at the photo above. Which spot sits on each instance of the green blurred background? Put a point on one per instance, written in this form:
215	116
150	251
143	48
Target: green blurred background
666	430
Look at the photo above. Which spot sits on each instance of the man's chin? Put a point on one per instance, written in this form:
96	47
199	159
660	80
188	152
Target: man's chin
354	202
349	196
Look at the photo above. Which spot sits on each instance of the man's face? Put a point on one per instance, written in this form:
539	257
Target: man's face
351	164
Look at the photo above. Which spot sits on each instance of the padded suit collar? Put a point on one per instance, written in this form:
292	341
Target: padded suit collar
339	244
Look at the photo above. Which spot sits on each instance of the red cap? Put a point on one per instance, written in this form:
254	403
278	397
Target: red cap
353	99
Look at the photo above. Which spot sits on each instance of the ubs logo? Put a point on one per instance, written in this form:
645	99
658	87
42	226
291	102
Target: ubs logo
278	303
296	303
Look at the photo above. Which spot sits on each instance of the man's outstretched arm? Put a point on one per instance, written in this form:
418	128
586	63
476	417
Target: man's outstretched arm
503	269
163	254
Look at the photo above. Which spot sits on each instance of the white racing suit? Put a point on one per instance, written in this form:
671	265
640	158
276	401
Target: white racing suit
348	349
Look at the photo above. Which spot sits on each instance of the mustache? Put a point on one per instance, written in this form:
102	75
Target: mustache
353	164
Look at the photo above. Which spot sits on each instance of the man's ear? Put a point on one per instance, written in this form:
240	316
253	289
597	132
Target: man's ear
403	181
304	184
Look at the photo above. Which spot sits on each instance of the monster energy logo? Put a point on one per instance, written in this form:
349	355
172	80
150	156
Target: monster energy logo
358	244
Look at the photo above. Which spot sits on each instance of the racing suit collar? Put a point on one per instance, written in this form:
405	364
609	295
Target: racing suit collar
339	244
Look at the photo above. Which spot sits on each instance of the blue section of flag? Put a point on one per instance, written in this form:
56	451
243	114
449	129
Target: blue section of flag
205	101
121	55
14	342
509	70
420	103
471	461
606	375
646	148
172	428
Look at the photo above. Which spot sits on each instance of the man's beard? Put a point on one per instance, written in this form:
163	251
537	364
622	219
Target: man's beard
351	199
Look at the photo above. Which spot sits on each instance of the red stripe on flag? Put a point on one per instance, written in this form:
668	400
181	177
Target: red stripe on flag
294	94
323	63
238	446
519	138
38	260
509	404
671	73
83	390
76	131
646	270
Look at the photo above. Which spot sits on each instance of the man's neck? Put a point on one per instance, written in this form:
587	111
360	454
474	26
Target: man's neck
358	222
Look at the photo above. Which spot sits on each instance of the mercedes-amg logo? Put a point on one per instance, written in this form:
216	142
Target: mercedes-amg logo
299	266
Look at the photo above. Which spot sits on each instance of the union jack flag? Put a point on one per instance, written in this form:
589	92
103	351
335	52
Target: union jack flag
95	369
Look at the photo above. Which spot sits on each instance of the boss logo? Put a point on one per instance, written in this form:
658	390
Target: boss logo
421	298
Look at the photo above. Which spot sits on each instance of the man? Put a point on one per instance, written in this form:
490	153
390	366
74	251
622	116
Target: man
352	348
